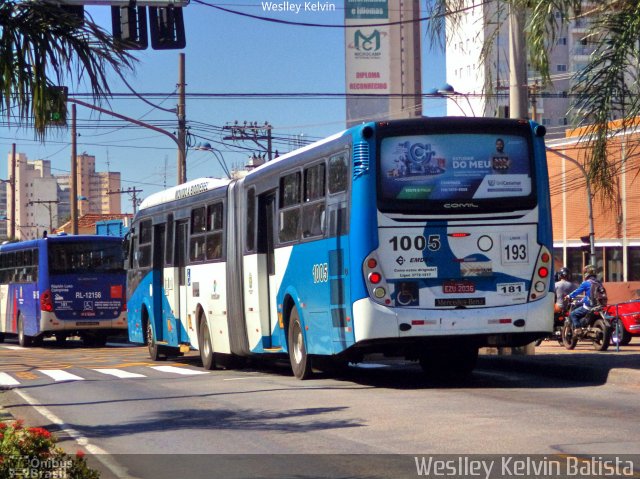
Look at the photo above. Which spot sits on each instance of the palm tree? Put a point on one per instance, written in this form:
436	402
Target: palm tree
606	88
42	46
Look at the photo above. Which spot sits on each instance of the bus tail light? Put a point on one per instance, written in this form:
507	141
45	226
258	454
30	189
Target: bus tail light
541	275
374	280
46	301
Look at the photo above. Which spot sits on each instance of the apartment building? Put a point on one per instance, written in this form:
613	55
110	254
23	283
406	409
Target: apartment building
484	87
43	200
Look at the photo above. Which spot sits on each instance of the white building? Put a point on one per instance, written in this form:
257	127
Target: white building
36	204
484	88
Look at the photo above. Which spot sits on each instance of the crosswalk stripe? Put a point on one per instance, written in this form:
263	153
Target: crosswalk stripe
6	380
173	369
119	373
60	375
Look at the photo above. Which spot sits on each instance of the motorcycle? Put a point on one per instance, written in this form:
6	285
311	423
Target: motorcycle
560	313
596	327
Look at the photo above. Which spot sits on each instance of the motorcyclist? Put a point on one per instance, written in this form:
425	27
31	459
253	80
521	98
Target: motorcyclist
589	274
563	287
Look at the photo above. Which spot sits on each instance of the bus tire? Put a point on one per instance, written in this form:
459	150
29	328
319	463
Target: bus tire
155	350
206	349
300	360
23	339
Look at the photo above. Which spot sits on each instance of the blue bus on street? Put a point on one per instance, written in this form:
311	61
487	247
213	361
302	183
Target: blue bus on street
63	286
424	239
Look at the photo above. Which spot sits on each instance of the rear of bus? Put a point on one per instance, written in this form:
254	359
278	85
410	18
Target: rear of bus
82	290
462	255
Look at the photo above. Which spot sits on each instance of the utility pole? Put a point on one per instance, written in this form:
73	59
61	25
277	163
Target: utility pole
182	123
130	191
517	65
12	184
74	173
252	132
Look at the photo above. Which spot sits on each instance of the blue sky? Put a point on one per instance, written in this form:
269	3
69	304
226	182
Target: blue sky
225	53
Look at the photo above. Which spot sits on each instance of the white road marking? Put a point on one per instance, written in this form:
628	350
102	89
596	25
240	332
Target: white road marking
97	452
60	375
6	380
119	373
11	346
173	369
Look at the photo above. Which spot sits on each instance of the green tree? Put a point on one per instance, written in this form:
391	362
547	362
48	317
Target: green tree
606	88
42	45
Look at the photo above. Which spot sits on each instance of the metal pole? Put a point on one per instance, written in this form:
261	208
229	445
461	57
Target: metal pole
517	65
182	129
12	185
74	173
592	235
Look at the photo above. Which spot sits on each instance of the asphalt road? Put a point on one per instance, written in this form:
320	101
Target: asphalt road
178	421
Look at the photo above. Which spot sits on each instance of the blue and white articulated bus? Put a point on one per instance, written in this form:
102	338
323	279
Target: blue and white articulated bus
425	239
63	286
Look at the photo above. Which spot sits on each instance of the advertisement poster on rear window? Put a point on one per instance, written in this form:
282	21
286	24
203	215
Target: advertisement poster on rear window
455	166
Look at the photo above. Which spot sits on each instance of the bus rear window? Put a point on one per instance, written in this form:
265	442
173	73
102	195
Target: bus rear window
85	257
428	172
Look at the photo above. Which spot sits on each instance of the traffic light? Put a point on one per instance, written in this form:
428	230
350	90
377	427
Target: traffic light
586	244
57	105
129	27
167	28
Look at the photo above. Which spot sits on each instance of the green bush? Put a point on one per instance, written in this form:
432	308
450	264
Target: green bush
32	453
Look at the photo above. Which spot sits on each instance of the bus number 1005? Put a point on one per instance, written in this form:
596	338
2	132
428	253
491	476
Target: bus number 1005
405	243
321	273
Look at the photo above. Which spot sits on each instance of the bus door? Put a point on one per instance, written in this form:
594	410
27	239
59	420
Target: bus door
159	233
266	266
342	330
183	280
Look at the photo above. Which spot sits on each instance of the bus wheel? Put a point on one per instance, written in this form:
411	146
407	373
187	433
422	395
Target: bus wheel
300	360
206	350
155	351
23	339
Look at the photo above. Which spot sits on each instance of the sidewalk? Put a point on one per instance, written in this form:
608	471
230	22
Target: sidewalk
581	364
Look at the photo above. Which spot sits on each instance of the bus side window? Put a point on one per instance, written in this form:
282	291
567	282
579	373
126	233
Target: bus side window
168	252
251	221
198	228
314	201
143	255
215	224
289	208
338	173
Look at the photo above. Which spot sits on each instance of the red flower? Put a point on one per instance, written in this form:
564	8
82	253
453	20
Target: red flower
39	431
3	426
18	424
79	454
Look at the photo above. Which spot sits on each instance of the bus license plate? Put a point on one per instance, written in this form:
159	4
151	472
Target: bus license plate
453	287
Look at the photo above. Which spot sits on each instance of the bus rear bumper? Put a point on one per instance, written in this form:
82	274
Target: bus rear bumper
497	326
49	322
